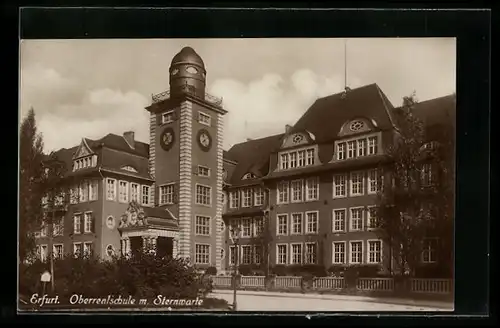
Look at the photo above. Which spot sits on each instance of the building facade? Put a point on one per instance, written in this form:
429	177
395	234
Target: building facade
305	196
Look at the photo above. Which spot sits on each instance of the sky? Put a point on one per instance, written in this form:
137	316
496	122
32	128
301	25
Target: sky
89	88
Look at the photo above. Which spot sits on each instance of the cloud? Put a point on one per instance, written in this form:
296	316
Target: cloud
101	112
264	106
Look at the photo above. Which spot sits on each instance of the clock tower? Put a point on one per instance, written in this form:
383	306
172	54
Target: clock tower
185	158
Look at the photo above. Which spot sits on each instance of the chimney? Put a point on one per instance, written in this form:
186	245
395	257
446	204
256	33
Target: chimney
129	138
287	128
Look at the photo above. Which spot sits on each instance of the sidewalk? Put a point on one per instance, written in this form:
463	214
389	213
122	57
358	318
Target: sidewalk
353	298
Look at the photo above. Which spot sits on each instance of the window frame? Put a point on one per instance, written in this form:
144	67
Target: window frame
306	227
345	251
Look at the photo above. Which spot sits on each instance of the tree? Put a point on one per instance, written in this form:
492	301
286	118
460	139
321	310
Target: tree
262	239
417	204
30	193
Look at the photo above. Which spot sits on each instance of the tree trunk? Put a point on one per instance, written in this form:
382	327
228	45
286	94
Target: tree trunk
51	251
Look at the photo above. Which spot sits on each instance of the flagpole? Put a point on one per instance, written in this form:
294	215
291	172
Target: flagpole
345	63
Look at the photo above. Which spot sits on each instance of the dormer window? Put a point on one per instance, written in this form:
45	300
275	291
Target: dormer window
357	147
84	162
249	176
297	158
129	168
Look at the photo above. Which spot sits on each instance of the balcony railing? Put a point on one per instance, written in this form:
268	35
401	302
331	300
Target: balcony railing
188	89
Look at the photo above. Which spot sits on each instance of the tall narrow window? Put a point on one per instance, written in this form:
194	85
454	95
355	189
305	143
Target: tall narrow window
246	197
339	252
145	195
312	222
372	146
357	218
297	223
374	251
310	156
373	181
203	195
134	192
293	160
283	192
284	161
356	252
282	222
312	189
361	147
339	220
339	185
123	191
311	253
282	254
341	151
297	191
167	194
301	158
258	196
234	199
351	149
296	253
357	187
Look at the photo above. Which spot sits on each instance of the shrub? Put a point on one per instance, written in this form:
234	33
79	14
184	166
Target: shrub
315	270
432	271
142	275
337	270
279	270
211	271
245	269
369	270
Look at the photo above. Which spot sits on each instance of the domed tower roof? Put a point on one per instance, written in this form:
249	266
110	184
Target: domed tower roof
187	55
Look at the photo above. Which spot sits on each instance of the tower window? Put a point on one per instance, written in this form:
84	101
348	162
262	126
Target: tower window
204	118
167	117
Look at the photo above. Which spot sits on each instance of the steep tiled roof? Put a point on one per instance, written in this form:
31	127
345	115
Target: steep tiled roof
440	110
327	115
113	163
252	156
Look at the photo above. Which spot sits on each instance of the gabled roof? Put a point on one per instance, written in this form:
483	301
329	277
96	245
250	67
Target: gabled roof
252	156
440	110
117	142
327	115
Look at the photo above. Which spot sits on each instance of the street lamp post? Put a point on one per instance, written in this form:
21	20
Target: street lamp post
235	234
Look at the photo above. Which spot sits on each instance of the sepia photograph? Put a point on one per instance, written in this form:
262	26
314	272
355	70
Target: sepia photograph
228	175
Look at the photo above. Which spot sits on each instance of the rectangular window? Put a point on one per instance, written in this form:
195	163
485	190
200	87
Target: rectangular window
312	189
167	194
373	181
167	117
246	254
202	254
297	191
84	191
77	249
134	192
374	251
123	191
351	149
281	251
203	195
258	226
310	156
77	224
246	227
203	171
372	146
204	119
257	253
234	199
74	195
93	186
202	225
282	222
426	174
339	185
356	218
361	147
339	252
88	222
145	195
58	251
283	188
339	220
258	197
341	151
296	223
311	253
429	254
293	160
296	253
301	158
246	199
357	186
312	222
58	227
284	161
356	252
371	219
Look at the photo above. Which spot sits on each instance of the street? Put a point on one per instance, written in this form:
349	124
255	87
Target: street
261	301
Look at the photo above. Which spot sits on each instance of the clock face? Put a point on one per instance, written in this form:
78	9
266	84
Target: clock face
204	140
167	139
175	71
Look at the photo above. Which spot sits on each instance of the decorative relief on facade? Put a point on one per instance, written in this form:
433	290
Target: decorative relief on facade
296	139
133	216
355	126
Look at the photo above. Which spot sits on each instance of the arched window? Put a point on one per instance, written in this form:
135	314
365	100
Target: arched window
248	176
129	168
